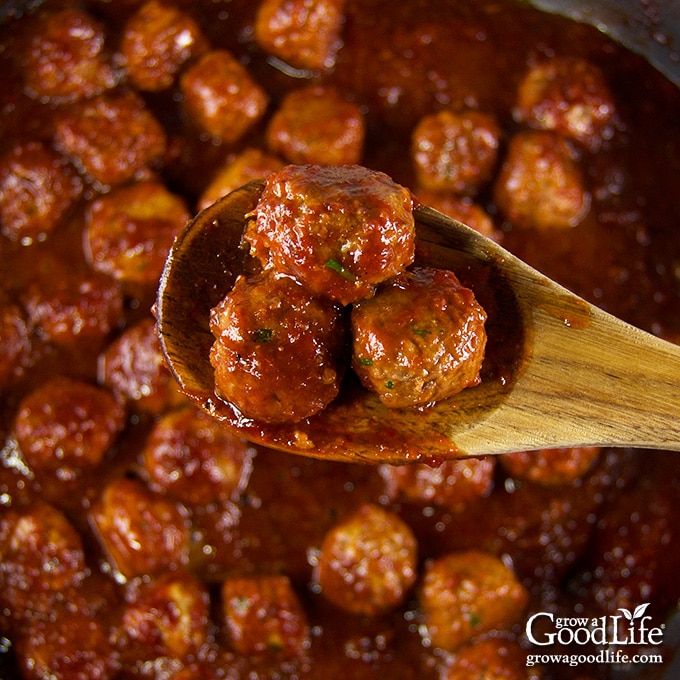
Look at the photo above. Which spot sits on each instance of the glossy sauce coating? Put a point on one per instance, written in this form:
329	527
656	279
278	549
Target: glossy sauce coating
604	540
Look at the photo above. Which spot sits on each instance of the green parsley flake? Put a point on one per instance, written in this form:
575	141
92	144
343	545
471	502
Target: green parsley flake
263	335
340	269
366	361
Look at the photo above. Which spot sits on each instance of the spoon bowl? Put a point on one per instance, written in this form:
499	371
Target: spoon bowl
558	371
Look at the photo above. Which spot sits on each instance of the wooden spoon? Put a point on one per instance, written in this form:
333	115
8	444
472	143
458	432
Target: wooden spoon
558	372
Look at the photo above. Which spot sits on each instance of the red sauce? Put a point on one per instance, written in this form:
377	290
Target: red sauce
604	541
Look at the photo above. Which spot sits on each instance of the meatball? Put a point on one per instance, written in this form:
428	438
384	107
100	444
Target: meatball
420	339
15	348
453	484
462	209
491	659
263	614
166	617
316	125
339	230
455	151
540	184
466	594
73	646
304	33
141	532
278	351
130	231
69	307
65	58
570	96
195	459
111	138
248	165
37	187
157	40
41	558
550	467
66	426
134	368
368	561
221	96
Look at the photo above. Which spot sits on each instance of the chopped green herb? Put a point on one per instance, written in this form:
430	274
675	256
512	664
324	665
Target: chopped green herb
474	619
421	331
366	361
389	385
263	335
341	269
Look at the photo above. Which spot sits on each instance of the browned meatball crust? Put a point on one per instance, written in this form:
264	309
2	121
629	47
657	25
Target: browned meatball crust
37	187
540	185
130	230
304	33
157	40
465	594
316	125
263	615
421	338
221	97
65	58
279	352
193	458
570	96
455	151
368	561
549	467
338	230
67	425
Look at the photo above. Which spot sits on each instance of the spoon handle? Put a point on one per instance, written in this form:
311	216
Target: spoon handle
588	379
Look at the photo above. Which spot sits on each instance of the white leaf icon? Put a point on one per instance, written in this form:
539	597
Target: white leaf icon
626	613
640	610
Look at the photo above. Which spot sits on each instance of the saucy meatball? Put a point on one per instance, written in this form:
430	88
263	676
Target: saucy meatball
570	96
65	57
194	458
41	557
69	646
339	230
540	184
111	138
262	614
221	96
130	230
368	561
157	40
453	484
141	532
165	617
278	351
421	338
463	209
67	425
37	187
491	659
550	467
455	151
70	308
134	369
304	33
250	164
316	125
466	594
15	348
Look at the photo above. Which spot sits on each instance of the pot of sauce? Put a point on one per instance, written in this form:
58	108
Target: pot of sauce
143	542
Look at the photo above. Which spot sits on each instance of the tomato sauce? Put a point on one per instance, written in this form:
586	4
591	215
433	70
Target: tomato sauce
586	546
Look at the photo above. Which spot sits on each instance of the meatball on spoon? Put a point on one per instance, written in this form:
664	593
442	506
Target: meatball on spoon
558	372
